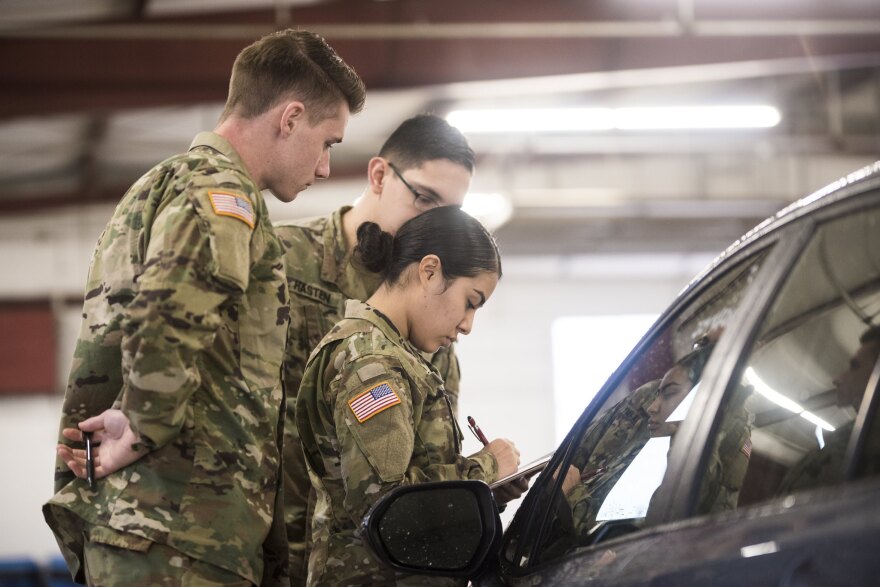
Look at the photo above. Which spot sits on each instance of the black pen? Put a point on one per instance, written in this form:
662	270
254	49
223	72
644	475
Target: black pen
90	460
477	431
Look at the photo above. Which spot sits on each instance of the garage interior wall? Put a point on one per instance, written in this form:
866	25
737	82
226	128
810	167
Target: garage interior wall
28	347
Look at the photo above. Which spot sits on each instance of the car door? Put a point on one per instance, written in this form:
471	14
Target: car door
675	472
808	510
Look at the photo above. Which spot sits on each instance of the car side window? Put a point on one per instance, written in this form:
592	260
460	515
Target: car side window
615	462
807	372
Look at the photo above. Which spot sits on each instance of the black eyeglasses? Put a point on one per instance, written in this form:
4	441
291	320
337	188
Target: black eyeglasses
422	202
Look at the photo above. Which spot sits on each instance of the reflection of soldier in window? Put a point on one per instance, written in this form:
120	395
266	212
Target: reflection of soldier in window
618	436
730	459
821	466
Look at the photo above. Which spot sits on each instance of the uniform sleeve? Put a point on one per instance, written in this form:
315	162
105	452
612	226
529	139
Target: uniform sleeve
581	505
727	469
276	568
610	432
195	260
374	418
612	436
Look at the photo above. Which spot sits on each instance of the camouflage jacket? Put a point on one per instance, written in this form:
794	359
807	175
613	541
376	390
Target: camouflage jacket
820	466
320	277
611	443
184	324
729	460
372	415
617	437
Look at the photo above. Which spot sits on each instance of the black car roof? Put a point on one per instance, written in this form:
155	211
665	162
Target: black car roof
844	188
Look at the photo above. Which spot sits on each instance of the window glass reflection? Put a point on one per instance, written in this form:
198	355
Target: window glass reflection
619	458
809	368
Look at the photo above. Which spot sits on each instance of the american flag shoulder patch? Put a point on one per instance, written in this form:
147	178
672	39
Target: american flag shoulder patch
234	205
377	399
747	448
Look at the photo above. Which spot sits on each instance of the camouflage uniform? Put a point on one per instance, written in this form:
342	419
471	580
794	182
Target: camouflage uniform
613	441
150	563
320	276
620	434
184	325
372	415
729	460
820	466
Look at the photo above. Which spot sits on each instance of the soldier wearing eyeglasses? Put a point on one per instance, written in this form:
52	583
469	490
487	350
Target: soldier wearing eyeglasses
425	163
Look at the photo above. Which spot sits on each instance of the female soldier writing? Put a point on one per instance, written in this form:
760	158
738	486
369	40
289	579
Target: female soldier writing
371	412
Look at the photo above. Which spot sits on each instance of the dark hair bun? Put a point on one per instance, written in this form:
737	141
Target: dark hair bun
374	247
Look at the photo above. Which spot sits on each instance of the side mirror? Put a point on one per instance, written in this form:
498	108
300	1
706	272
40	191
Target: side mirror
446	528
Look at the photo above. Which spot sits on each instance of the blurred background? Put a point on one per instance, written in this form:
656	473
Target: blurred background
621	145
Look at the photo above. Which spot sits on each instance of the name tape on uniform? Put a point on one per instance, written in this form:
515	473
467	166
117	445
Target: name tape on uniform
234	205
374	400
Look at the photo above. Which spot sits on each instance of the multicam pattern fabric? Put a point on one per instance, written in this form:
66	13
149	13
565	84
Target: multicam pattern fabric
820	466
613	441
729	460
616	437
353	464
148	563
321	276
184	325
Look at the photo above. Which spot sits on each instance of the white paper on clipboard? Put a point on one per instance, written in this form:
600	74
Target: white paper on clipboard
525	470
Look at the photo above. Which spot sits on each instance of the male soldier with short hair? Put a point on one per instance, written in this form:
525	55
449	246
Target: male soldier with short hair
822	466
425	163
176	371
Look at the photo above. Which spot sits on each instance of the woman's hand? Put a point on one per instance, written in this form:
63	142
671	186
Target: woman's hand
506	455
511	491
572	479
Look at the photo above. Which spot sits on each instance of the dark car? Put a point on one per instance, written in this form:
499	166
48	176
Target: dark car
738	444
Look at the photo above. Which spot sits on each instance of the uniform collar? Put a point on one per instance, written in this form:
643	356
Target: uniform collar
214	141
337	266
360	310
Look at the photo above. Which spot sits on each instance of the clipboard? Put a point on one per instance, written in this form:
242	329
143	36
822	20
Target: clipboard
526	470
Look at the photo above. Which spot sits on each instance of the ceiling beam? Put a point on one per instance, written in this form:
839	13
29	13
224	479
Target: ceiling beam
39	77
143	61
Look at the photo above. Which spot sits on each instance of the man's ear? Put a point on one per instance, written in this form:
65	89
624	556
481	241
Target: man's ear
431	274
377	174
292	114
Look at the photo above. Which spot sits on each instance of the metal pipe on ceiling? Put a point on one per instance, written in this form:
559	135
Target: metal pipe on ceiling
474	30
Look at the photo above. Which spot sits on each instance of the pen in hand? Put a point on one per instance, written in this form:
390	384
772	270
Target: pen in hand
90	460
477	431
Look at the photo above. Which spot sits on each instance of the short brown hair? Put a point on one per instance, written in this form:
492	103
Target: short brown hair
292	63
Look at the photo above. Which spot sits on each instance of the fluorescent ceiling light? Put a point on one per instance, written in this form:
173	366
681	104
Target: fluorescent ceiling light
695	117
492	210
777	398
532	119
526	120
